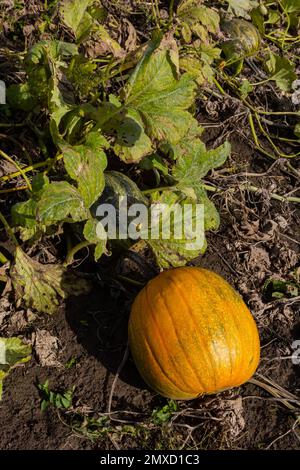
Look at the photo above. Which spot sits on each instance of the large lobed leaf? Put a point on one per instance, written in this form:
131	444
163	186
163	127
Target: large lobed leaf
59	201
242	7
42	286
174	251
86	164
191	167
75	16
161	99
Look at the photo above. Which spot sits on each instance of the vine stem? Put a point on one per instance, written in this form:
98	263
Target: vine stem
5	125
255	189
122	364
13	190
214	189
70	256
161	188
171	11
10	160
33	167
8	229
3	258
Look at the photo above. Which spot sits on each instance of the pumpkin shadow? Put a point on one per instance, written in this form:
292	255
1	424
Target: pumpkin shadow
99	321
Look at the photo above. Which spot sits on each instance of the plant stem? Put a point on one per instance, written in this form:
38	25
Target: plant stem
214	189
8	229
6	125
9	159
13	190
255	189
161	188
215	81
33	167
265	133
171	11
130	281
70	256
3	258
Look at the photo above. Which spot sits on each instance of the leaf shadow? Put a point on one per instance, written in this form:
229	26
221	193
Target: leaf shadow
99	320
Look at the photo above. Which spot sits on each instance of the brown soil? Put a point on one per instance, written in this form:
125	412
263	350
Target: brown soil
259	239
92	329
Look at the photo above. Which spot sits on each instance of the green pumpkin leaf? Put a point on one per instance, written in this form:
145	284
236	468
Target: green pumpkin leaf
172	251
13	351
19	96
211	214
41	286
75	15
242	7
161	99
291	6
85	164
24	213
60	200
91	234
132	143
245	88
282	71
193	165
200	66
193	11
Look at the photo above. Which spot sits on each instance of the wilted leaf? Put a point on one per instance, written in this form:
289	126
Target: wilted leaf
242	7
41	286
193	12
24	213
132	143
58	201
12	352
196	163
109	45
85	164
162	101
75	16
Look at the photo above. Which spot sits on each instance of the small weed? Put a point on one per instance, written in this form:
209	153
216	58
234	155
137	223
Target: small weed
164	414
71	363
58	400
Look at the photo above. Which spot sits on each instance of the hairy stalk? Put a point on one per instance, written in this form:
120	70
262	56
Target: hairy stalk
3	258
13	190
70	256
214	189
8	229
30	168
10	160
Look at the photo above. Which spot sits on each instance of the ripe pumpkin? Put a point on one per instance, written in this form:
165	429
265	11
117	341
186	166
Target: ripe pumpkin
243	38
190	333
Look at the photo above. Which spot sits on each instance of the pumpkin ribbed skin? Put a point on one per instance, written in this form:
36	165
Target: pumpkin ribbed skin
190	334
244	38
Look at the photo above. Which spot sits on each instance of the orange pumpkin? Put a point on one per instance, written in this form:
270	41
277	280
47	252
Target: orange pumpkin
190	333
